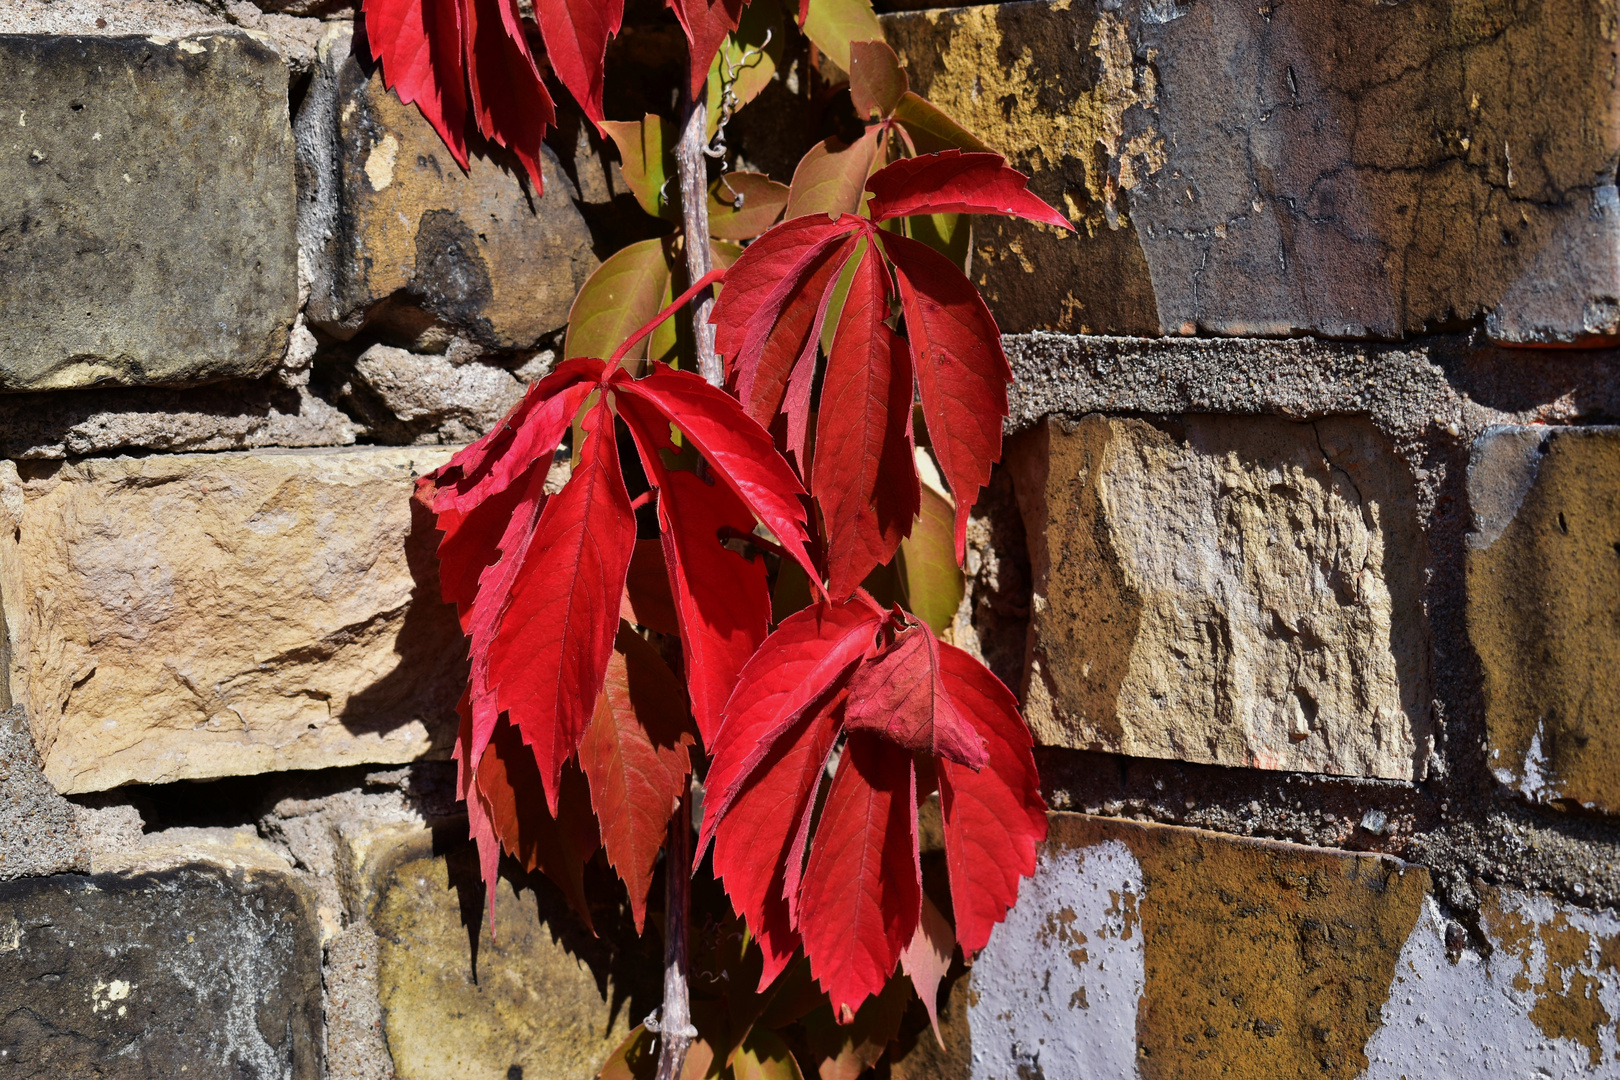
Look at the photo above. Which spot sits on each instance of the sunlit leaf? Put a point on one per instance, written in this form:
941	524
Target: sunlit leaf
833	24
647	160
622	295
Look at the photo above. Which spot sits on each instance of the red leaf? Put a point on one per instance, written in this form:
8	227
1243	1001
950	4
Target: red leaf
864	477
738	450
951	182
647	599
900	696
550	650
509	101
419	45
994	818
706	22
576	34
471	543
635	755
862	892
512	806
771	272
961	371
928	957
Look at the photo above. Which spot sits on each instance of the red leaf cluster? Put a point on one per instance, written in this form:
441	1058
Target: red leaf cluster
843	881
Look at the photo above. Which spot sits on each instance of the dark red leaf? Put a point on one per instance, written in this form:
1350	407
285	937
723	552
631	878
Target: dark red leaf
994	818
844	1051
635	755
550	649
962	373
864	477
900	696
951	182
738	450
576	33
862	891
509	101
706	22
647	599
471	543
419	45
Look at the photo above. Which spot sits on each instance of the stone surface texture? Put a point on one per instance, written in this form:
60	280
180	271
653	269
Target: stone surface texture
39	831
1352	170
1227	591
540	997
184	616
388	215
147	231
189	972
429	398
1543	598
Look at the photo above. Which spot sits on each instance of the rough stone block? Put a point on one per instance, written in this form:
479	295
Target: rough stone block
386	213
186	972
1232	590
39	831
147	210
1543	592
195	615
543	997
1345	169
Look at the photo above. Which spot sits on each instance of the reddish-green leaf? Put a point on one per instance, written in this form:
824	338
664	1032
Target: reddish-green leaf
962	373
832	24
994	818
619	298
900	696
635	755
862	890
932	130
647	162
832	177
957	183
744	204
419	44
576	34
763	1056
877	82
636	1058
928	957
845	1051
863	478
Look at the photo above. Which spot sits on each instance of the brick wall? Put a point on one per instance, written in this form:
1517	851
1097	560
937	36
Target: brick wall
1304	556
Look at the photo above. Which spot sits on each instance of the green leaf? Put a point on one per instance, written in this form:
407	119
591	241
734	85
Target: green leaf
930	129
625	292
877	82
931	583
840	293
647	159
749	56
949	234
831	178
637	1058
763	1056
762	202
833	24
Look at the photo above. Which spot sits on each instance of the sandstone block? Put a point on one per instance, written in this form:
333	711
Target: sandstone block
543	997
1345	169
1543	590
386	213
196	615
1232	590
147	210
185	972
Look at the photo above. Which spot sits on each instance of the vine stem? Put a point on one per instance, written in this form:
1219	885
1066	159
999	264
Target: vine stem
691	164
675	1030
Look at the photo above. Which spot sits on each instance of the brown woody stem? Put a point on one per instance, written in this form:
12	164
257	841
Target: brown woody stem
694	174
675	1031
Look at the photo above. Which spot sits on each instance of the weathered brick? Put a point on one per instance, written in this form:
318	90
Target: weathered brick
194	615
1232	590
1349	169
541	997
1543	592
387	214
184	972
147	210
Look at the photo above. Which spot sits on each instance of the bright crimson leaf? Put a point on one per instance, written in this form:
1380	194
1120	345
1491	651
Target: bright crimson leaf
864	477
962	373
635	755
706	23
900	694
509	101
862	891
419	45
576	33
994	818
956	183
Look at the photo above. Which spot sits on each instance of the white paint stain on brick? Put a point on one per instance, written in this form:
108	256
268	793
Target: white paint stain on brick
1499	1018
1055	993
